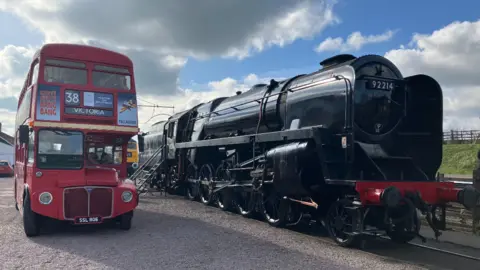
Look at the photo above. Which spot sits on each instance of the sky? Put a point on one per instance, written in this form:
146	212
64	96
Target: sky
186	52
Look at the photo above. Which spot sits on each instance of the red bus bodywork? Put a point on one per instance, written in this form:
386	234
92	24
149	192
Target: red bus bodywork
69	123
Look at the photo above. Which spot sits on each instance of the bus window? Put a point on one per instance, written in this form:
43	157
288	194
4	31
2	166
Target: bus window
67	75
104	154
34	77
60	149
103	78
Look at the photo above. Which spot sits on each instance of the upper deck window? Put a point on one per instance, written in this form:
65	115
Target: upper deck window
111	77
68	72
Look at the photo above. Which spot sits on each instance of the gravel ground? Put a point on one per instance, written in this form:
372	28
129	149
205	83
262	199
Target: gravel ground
173	233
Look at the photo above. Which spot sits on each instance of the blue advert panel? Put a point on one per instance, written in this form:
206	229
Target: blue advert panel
48	102
97	100
127	109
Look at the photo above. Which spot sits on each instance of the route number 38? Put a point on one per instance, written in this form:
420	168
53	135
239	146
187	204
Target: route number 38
72	98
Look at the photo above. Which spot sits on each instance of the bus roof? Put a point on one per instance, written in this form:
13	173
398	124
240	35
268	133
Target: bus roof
84	52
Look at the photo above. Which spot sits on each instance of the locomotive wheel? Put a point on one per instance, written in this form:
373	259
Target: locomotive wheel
339	224
171	188
403	233
191	189
224	198
244	201
277	211
206	174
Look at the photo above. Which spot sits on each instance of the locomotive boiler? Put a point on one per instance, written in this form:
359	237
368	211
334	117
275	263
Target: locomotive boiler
354	138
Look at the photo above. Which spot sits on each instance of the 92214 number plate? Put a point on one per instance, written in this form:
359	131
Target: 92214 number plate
88	220
380	85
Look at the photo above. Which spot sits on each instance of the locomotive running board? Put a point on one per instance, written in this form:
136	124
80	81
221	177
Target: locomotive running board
286	135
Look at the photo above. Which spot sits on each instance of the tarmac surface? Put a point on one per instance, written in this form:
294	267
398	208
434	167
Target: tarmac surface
173	233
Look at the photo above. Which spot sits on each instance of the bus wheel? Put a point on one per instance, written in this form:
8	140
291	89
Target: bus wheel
30	219
15	197
126	221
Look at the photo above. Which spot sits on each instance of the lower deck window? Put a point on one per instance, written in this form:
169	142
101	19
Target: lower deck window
60	149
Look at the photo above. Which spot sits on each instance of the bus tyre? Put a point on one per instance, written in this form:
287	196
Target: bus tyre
126	221
30	219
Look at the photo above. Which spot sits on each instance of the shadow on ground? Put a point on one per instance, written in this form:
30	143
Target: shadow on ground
159	241
163	241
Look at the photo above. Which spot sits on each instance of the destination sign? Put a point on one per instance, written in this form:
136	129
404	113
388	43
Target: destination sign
97	100
90	112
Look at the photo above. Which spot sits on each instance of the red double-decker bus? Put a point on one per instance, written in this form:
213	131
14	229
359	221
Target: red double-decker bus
76	113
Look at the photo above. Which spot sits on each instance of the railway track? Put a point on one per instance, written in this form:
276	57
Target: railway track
446	251
320	233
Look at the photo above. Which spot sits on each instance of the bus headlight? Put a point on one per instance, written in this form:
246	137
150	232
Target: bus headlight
127	196
135	165
45	198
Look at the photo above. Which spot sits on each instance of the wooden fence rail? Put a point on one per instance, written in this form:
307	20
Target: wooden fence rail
461	136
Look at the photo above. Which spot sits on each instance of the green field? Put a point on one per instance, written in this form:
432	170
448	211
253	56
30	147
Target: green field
459	158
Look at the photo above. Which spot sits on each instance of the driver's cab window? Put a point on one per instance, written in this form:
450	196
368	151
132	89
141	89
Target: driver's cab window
105	154
171	130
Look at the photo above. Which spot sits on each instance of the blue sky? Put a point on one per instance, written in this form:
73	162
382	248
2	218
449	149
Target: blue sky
367	16
161	69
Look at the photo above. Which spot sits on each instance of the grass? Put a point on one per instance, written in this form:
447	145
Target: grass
459	158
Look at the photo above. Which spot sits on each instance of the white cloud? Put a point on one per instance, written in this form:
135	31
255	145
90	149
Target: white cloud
14	64
160	35
229	28
451	56
7	118
188	98
354	42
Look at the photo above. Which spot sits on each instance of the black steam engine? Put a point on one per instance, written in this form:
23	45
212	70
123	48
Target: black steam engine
354	145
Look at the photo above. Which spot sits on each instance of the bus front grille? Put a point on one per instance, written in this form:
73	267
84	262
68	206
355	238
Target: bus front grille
101	202
88	202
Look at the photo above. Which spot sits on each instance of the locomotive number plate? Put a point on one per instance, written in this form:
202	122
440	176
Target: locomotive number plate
380	85
88	220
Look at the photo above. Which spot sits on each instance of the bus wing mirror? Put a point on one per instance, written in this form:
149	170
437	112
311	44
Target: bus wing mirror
140	143
23	132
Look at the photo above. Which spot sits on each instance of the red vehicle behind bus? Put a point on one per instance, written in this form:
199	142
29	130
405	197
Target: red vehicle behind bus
76	113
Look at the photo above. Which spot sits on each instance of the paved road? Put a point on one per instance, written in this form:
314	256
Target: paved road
173	233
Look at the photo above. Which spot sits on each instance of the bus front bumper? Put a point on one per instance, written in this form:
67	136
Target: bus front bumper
85	204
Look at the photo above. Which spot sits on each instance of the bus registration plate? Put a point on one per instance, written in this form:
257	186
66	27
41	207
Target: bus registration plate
88	220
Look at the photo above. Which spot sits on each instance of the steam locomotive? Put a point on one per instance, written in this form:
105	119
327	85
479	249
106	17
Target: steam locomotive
354	145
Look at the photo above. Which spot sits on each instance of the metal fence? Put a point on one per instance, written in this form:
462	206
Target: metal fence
461	136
